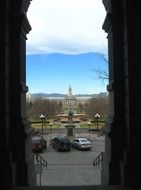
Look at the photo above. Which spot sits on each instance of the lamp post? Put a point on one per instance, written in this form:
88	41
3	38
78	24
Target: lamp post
89	124
97	116
42	117
50	124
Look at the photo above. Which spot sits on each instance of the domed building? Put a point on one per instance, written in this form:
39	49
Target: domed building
70	102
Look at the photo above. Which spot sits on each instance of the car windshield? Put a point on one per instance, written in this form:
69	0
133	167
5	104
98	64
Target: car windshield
83	140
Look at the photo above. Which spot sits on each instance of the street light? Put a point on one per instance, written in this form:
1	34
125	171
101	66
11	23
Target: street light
42	117
89	124
97	116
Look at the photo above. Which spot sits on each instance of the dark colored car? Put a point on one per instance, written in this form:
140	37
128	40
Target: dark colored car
61	143
38	143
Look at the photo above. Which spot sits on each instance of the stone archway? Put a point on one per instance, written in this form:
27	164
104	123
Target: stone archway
123	155
21	131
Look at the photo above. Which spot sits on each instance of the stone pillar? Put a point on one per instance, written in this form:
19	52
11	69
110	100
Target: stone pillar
123	151
16	162
70	130
20	129
131	163
114	137
5	162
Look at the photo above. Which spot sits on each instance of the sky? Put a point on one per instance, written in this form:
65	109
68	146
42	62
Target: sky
65	46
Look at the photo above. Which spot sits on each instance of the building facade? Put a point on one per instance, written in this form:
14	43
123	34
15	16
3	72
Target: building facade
70	102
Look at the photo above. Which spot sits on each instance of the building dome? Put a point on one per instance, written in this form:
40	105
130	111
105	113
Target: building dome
70	102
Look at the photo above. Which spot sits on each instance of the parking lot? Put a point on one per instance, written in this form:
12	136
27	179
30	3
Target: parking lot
74	167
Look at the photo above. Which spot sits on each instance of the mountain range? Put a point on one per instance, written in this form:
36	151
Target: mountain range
58	95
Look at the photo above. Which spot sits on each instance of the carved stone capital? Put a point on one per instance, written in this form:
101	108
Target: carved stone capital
24	6
110	86
107	5
24	88
21	18
107	25
25	27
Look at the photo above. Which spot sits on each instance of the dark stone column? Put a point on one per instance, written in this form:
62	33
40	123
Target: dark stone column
20	130
131	163
114	137
5	161
16	160
123	150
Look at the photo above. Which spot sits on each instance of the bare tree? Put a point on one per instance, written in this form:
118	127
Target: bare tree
97	105
46	106
102	74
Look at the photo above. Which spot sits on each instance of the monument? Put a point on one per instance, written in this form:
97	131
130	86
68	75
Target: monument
70	126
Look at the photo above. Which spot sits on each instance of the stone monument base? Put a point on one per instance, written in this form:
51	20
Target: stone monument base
70	130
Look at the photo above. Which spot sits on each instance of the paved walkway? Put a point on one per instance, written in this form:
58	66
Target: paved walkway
74	167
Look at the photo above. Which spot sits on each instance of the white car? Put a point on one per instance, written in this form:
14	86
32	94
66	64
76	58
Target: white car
81	143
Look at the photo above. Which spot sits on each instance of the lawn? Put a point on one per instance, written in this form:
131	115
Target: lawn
83	124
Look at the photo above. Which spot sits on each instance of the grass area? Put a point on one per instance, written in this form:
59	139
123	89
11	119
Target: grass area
93	125
58	124
39	125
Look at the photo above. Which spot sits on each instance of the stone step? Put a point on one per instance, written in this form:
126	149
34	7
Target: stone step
95	187
69	175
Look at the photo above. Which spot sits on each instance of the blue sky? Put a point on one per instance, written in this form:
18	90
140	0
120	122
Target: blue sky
54	73
61	46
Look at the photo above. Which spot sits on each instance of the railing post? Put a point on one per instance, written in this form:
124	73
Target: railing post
98	162
42	162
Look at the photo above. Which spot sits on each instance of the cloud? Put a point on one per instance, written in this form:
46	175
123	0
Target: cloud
66	26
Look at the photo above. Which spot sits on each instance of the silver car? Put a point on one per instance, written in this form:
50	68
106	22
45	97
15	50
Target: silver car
81	143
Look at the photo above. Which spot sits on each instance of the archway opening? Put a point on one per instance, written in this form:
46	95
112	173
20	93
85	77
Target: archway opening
76	59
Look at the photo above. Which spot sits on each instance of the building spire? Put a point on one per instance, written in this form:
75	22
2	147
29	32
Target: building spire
70	91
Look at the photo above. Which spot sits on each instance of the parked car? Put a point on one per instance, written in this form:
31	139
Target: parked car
61	143
81	143
38	143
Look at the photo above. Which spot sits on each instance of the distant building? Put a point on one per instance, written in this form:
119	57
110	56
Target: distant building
70	102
